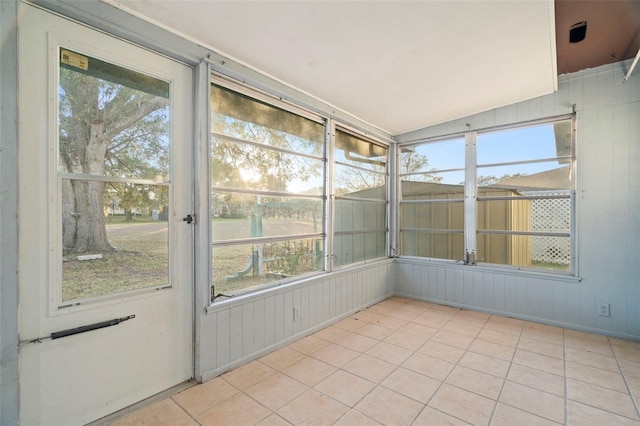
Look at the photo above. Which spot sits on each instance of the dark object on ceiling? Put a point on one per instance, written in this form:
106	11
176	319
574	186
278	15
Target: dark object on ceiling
578	32
614	32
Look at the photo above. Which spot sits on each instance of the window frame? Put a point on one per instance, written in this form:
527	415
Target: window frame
472	200
328	197
334	198
57	304
434	201
259	97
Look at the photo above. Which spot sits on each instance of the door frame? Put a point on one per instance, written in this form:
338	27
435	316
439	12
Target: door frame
36	263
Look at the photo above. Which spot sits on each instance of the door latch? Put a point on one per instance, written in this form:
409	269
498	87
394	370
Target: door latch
190	219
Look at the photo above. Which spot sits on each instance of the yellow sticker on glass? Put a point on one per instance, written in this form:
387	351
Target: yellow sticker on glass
74	59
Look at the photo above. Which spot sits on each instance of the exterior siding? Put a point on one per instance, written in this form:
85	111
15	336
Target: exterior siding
235	332
607	221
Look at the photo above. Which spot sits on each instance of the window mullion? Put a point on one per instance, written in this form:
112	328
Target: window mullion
330	135
394	197
470	197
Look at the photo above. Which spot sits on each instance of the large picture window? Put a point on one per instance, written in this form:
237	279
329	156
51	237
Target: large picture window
267	168
508	200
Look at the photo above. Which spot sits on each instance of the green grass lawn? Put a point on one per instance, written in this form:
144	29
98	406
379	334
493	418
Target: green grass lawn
141	258
139	261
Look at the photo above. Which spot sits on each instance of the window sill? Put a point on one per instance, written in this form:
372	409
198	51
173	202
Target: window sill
490	268
270	290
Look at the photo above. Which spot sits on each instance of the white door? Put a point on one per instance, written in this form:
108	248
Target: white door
105	258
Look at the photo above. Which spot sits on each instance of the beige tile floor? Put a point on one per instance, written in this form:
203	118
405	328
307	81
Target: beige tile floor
405	362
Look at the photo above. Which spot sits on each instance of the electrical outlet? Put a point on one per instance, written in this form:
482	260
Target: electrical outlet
603	310
296	313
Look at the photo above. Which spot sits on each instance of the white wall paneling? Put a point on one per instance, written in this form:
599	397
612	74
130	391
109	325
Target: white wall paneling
236	331
607	222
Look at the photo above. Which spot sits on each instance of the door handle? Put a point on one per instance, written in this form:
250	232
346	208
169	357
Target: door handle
189	219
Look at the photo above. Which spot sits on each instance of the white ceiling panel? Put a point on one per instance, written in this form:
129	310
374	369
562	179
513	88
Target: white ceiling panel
397	65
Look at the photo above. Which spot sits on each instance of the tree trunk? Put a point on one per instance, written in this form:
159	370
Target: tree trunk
92	114
83	219
85	230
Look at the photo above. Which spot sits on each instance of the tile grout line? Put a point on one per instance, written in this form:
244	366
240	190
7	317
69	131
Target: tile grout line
184	410
442	382
425	405
624	378
504	382
364	378
396	369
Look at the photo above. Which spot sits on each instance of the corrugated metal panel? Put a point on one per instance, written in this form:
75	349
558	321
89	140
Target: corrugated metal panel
608	215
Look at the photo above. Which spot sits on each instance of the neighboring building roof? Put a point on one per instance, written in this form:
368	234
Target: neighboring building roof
555	179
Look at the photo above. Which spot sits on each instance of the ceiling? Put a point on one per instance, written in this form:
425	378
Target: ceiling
396	65
613	33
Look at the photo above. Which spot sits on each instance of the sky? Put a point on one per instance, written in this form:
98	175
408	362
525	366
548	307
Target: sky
527	143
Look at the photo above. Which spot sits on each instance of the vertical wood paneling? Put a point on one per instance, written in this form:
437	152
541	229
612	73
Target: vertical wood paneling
477	287
488	287
442	284
209	362
305	307
540	293
260	324
325	305
269	321
297	303
509	294
279	324
558	295
288	314
235	327
499	292
333	307
633	322
222	343
312	305
243	330
468	288
572	302
432	273
248	328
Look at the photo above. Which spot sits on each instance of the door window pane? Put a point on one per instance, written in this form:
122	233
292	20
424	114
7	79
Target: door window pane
114	133
112	121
